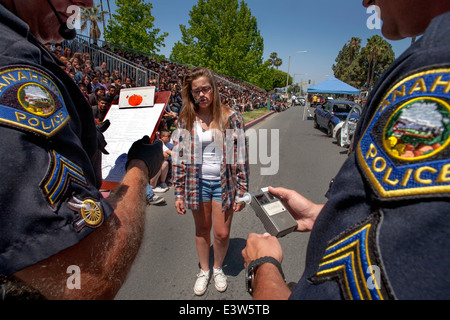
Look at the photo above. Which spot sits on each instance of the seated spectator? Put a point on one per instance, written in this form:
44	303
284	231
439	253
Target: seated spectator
112	95
165	137
68	53
117	82
90	68
81	73
102	68
84	90
95	83
160	177
115	74
86	80
99	111
128	83
158	182
175	100
58	50
86	56
170	116
95	96
152	82
106	83
69	67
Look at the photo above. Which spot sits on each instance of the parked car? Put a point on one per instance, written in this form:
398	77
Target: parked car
300	101
344	130
329	114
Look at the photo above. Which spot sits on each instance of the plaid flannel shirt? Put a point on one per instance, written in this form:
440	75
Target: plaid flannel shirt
186	161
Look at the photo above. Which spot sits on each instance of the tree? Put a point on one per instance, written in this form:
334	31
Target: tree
275	61
378	53
92	15
347	63
362	67
354	45
223	36
132	26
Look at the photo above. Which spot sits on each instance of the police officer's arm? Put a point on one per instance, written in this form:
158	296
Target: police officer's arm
268	284
104	257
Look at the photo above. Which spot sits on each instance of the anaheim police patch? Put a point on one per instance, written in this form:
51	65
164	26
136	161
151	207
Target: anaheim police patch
405	151
31	101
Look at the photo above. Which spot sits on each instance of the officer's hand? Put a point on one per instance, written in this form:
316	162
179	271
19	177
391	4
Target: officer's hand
151	154
262	245
302	209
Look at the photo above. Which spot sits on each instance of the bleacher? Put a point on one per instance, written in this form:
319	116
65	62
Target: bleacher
144	70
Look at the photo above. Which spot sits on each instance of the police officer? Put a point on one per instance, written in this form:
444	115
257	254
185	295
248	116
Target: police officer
54	222
383	233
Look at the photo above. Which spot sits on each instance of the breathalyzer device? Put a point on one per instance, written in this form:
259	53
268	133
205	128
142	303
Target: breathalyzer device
270	210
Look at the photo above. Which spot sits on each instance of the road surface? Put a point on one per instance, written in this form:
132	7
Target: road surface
166	266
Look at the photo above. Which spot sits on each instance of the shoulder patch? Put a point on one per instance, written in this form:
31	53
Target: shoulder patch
60	174
404	152
31	101
353	260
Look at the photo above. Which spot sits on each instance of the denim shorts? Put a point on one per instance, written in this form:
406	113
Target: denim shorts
210	190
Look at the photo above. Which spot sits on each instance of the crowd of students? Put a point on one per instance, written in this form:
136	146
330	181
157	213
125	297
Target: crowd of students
100	84
102	87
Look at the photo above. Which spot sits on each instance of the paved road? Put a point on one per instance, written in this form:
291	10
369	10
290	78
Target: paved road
167	262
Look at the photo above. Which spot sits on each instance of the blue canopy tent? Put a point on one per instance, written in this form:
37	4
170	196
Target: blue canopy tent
333	85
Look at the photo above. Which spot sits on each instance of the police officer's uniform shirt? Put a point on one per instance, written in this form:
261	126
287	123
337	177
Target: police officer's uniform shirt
50	161
384	233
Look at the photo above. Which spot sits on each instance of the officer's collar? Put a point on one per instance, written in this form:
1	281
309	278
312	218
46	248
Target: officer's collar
15	23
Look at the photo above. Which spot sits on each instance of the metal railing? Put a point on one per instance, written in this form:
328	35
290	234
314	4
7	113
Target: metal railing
113	61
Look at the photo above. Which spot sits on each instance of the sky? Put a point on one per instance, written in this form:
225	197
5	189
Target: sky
320	27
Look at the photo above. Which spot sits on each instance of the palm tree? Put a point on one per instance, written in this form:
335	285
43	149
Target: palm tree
374	49
103	16
273	57
109	9
93	15
354	45
277	62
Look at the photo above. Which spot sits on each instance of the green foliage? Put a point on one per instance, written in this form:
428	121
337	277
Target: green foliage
362	67
223	36
274	60
93	16
132	26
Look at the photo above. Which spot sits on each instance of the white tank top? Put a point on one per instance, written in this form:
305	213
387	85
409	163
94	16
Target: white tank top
211	155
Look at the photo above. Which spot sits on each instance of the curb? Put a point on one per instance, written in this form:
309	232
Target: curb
253	122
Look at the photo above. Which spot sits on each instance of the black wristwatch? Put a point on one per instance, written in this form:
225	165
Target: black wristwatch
252	266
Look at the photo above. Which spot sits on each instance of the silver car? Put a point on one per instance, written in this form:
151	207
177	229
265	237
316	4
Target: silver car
344	130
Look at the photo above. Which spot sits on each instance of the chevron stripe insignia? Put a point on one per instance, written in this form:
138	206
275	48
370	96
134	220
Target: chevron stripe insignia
352	259
61	172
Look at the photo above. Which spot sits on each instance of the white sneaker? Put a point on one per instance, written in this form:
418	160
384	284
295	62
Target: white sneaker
220	280
201	283
155	200
160	190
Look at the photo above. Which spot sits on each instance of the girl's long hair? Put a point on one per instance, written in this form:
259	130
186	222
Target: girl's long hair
220	112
